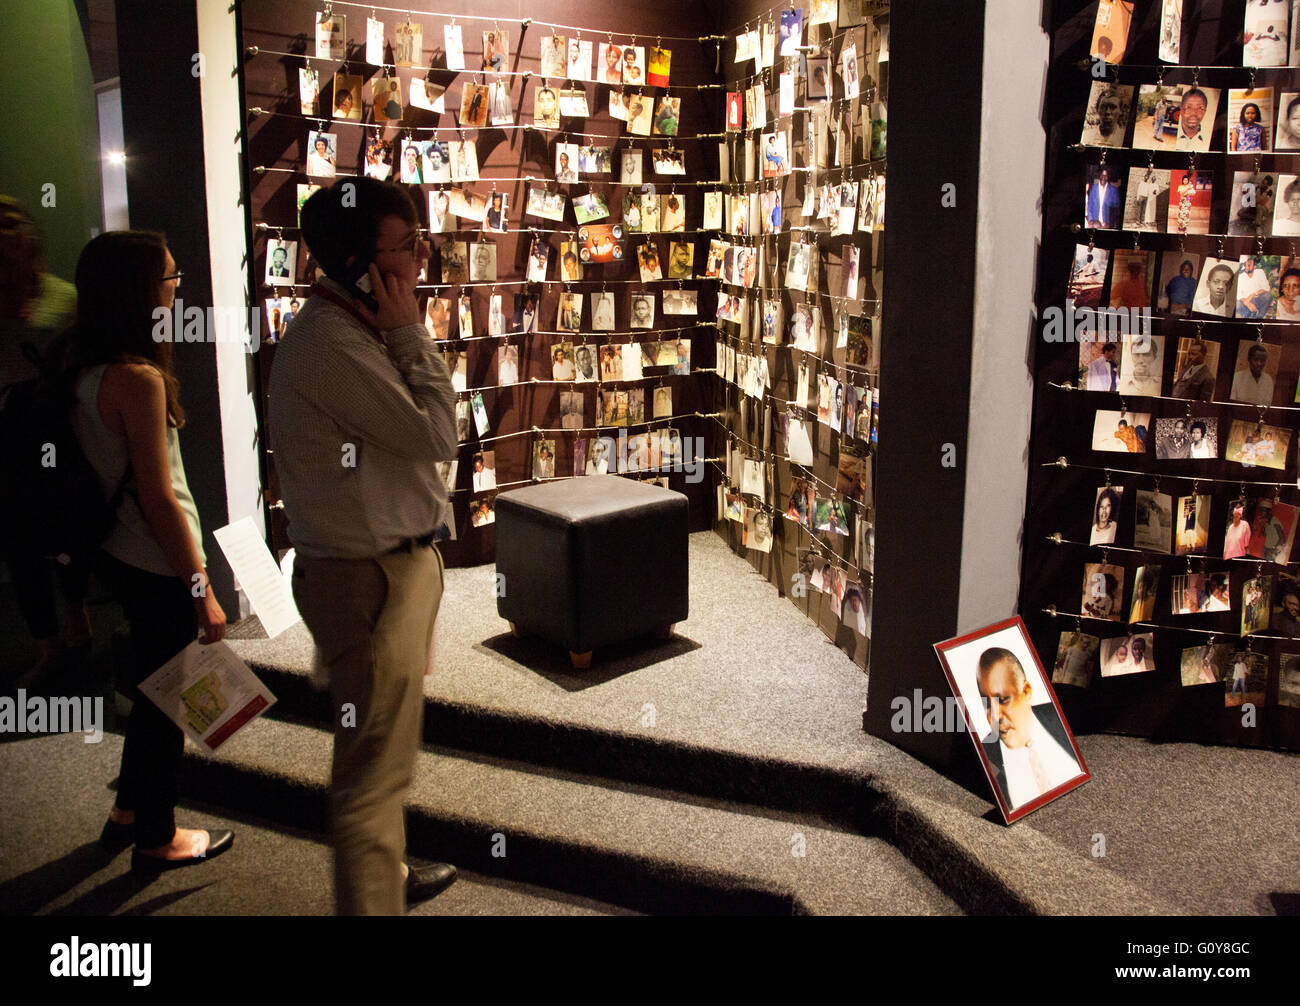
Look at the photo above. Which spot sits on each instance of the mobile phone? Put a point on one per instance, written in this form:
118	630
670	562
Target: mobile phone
358	278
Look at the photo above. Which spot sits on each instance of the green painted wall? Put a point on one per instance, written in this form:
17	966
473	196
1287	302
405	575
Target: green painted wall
52	135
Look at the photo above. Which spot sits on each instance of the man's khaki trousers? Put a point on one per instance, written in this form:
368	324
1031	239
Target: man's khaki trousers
372	621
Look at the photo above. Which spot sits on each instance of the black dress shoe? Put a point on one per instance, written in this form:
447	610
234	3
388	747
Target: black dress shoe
115	837
423	882
218	842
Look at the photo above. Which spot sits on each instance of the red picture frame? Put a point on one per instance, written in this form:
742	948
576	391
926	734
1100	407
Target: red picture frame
960	658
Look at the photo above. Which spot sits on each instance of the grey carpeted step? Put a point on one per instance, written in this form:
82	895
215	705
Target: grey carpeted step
631	846
50	865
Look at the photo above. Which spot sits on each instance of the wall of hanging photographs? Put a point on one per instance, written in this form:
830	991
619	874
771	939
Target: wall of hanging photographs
802	216
1160	571
560	170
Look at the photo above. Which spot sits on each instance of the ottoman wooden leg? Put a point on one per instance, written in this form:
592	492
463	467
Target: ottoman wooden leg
581	661
515	631
667	631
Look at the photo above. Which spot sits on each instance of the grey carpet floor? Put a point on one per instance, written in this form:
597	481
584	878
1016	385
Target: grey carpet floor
749	674
51	865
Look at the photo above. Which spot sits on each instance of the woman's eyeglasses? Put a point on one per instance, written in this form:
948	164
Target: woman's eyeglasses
176	276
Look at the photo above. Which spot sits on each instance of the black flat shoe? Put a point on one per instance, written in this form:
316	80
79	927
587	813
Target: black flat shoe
423	882
115	837
218	842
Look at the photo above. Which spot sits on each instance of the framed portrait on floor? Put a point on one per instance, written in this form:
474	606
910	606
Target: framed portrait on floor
1013	717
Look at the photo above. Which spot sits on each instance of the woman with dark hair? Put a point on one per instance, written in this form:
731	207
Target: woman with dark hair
126	420
1288	127
1288	301
1248	133
1104	517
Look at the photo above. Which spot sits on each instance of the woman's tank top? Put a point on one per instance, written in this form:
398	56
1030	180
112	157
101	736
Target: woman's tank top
131	541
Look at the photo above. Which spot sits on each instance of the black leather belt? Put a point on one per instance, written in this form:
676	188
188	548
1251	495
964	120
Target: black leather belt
411	544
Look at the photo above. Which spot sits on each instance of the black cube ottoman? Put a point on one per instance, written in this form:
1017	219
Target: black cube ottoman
587	562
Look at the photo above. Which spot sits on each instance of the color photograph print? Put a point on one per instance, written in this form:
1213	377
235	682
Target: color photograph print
1146	202
545	204
379	159
480	413
544	459
1102	206
800	505
1190	194
1131	276
1110	30
1192	524
1087	277
1098	365
1288	678
1272	530
1076	659
1155	119
484	471
1146	582
1199	593
1176	288
1128	655
1180	439
1120	431
1103	591
1195	368
1105	515
1153	521
1205	665
1012	716
1256	603
347	97
1286	607
1254	444
322	154
600	243
1250	119
1288	300
1253	379
482	512
1246	679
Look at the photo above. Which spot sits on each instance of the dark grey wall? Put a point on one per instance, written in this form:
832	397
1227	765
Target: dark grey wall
163	122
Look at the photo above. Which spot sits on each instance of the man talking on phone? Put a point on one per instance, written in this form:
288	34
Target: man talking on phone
361	411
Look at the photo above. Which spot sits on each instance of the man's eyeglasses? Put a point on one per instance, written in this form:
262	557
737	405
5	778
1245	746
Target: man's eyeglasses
409	247
176	276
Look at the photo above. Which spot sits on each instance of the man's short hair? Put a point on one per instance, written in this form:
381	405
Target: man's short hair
993	655
1196	92
342	221
1257	348
1217	268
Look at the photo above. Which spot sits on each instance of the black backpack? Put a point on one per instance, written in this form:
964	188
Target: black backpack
51	500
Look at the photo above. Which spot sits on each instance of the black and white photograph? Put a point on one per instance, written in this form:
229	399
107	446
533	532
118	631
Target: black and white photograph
281	262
